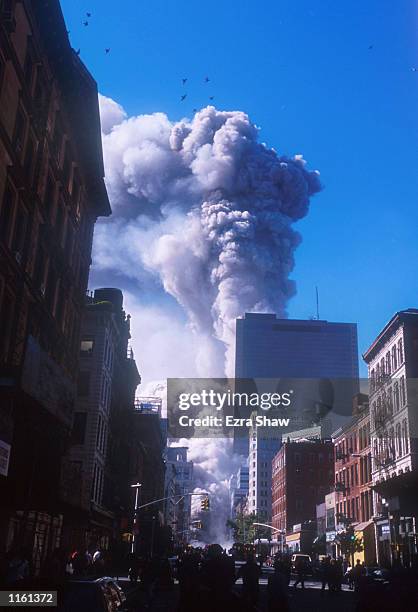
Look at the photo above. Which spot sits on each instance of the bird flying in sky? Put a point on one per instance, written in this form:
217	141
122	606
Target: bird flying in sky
183	97
184	81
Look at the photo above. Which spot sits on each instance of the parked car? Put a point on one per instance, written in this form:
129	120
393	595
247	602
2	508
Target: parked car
373	574
306	559
97	595
377	574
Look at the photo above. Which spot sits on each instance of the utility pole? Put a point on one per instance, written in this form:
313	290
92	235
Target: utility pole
136	487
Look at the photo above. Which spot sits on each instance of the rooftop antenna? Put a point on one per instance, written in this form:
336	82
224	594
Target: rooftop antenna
317	303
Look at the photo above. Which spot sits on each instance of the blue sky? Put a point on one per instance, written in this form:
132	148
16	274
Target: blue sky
304	73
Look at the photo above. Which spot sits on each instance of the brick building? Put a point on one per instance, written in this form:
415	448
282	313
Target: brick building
51	193
354	502
303	473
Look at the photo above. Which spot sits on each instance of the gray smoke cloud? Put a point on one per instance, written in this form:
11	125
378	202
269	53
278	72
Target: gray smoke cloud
209	210
204	210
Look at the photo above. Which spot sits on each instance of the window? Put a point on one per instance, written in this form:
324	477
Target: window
6	318
78	432
19	234
58	137
396	395
67	164
40	95
30	159
60	221
83	387
405	436
388	364
399	440
86	346
20	131
76	188
99	432
402	389
69	242
40	269
29	65
49	198
400	352
394	359
1	72
60	303
51	289
6	214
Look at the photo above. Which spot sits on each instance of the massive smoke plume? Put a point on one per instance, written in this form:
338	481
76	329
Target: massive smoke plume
204	211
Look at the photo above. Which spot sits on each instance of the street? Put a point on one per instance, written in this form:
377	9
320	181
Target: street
311	598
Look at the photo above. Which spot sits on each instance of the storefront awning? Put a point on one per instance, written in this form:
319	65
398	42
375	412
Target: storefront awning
293	537
362	526
403	486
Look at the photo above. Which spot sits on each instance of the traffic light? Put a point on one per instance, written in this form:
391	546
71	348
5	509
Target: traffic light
204	504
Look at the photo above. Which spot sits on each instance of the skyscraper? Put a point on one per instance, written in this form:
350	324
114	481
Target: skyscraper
269	347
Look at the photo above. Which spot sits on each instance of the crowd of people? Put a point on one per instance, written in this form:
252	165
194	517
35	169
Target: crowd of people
207	580
17	566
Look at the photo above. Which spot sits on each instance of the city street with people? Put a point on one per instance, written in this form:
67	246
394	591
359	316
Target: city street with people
207	579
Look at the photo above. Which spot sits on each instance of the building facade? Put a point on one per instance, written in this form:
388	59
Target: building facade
149	432
239	488
51	193
353	463
177	457
263	446
102	423
392	362
271	348
303	474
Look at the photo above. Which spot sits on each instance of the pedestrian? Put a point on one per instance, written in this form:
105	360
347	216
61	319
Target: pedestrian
350	578
325	567
250	573
277	599
358	572
18	569
300	567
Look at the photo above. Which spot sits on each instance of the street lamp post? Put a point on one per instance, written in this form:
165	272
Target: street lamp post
275	530
136	487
